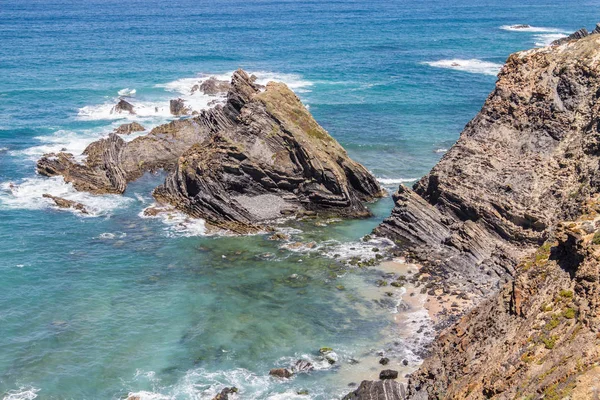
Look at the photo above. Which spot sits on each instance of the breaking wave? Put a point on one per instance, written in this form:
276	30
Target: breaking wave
473	66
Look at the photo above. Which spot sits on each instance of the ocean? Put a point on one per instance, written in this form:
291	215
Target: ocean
112	304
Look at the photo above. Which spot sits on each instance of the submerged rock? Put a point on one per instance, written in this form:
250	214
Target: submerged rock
388	374
127	129
64	203
224	394
378	390
302	366
238	166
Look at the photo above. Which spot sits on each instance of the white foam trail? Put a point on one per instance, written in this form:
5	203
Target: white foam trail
143	110
28	195
178	224
61	140
534	29
22	394
395	181
440	150
547	39
473	66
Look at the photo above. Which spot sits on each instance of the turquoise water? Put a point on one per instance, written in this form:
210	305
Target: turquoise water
102	306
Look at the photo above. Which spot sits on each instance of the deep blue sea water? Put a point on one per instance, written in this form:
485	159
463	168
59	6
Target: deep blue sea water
102	306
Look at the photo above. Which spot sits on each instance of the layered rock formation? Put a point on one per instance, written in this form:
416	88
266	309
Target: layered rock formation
538	338
256	158
524	163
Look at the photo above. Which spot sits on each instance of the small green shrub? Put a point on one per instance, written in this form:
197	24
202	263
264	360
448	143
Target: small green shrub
567	294
596	238
569	313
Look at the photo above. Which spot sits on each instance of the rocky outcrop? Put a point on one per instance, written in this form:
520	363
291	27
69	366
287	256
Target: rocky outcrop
266	158
127	129
212	87
537	338
178	108
225	393
259	157
523	164
64	203
122	107
580	34
378	390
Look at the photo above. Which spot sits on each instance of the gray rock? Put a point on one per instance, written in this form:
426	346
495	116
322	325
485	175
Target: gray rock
177	107
388	374
378	390
122	107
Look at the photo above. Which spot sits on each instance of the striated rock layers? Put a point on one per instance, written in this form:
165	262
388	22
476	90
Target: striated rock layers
537	338
256	158
525	162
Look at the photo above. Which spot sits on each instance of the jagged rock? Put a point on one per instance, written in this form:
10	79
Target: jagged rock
388	374
127	129
524	163
384	361
178	107
580	34
239	166
269	159
281	372
596	29
64	203
524	26
122	107
378	390
302	366
212	86
224	394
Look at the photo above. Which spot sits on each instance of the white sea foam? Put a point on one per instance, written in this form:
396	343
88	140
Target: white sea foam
533	29
362	250
395	181
178	224
22	394
127	92
440	150
61	140
547	39
28	195
473	66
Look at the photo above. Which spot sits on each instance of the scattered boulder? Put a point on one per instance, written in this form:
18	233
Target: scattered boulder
378	390
178	107
279	236
64	203
281	372
224	394
388	374
127	129
384	361
522	26
122	107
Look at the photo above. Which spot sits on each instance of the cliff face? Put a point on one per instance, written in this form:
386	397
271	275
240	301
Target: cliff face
259	157
524	163
538	338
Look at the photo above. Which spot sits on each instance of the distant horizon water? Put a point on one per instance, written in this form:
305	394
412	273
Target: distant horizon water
113	303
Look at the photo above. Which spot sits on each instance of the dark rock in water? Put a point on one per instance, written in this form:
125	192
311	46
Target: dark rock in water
524	26
224	395
302	366
388	374
281	372
177	107
378	390
405	362
596	29
384	361
64	203
580	34
212	86
122	107
127	129
513	173
238	166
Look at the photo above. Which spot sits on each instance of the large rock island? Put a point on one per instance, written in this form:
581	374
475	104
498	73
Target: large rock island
257	158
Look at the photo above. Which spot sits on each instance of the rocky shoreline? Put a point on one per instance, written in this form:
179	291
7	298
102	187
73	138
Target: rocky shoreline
503	235
508	220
